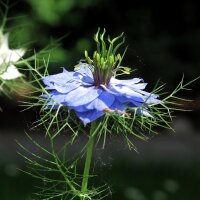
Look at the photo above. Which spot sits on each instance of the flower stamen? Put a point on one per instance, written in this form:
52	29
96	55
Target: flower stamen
116	111
106	60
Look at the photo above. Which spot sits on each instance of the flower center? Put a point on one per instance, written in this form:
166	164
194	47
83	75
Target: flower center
106	60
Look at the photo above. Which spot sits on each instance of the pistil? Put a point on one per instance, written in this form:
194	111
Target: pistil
106	60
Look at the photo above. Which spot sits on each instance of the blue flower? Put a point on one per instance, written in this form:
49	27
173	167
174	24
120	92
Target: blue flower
90	99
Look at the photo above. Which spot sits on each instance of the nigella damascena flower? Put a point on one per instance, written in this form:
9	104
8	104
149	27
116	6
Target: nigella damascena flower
8	58
78	91
92	89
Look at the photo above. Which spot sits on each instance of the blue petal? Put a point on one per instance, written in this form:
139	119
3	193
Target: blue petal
61	78
56	97
49	102
82	96
147	93
87	79
151	100
132	99
125	82
81	108
77	97
84	69
138	86
84	73
133	84
133	104
117	105
132	90
104	100
89	116
68	87
144	112
123	91
84	78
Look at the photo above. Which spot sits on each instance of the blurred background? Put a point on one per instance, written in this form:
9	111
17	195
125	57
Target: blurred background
163	41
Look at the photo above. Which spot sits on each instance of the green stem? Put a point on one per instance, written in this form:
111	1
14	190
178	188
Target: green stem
90	147
59	166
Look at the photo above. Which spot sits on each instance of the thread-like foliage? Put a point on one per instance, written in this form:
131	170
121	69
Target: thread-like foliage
60	177
60	171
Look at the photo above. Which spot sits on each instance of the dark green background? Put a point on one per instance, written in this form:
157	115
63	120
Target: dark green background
163	39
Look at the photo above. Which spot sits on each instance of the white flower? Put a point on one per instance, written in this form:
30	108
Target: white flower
8	58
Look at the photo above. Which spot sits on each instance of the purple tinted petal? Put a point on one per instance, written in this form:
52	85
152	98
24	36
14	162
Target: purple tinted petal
89	116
